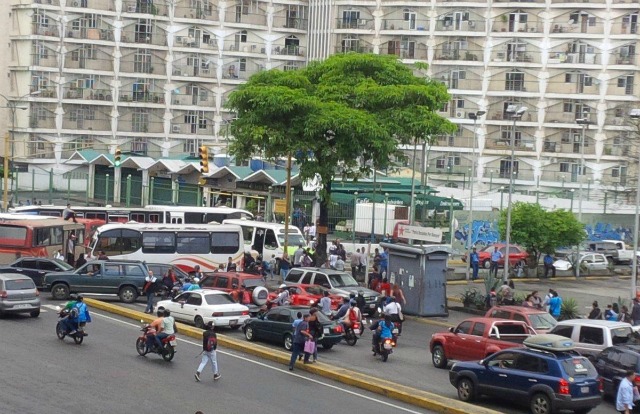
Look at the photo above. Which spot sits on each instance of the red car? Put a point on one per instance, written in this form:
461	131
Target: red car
308	295
516	255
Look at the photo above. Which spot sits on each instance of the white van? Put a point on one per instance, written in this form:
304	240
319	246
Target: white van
268	238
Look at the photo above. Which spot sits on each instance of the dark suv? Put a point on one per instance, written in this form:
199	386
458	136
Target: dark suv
612	364
36	267
122	277
546	381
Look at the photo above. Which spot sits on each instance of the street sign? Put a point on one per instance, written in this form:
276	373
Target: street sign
280	206
428	234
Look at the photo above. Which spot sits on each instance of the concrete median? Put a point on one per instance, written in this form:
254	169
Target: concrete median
376	385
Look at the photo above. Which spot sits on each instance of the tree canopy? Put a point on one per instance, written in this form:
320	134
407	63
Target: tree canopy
342	116
540	231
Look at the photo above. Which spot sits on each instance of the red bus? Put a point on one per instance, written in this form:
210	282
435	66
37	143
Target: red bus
38	238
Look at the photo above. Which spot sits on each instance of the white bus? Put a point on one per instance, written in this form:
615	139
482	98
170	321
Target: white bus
185	246
148	214
268	238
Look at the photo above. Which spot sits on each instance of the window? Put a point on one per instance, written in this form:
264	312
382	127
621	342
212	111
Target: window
501	314
564	167
218	300
116	242
221	282
464	327
158	242
41	51
139	145
579	366
194	299
514	81
505	168
531	363
306	280
19	284
270	240
135	270
142	61
14	235
273	315
225	242
42	237
322	281
26	264
207	281
628	361
140	120
48	266
591	335
284	316
192	243
112	270
478	329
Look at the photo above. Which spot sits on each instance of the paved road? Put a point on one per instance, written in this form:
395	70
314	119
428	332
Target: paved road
410	364
41	374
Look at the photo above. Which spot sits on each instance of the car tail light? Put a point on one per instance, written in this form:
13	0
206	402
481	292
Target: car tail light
214	314
563	387
245	313
636	380
3	294
338	329
601	383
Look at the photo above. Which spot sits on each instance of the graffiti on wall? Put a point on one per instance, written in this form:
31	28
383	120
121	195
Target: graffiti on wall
607	231
484	233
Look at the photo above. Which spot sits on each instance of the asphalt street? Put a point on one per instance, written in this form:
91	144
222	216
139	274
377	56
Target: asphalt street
410	364
41	374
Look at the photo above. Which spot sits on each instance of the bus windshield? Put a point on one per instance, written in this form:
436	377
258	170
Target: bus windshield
294	239
13	236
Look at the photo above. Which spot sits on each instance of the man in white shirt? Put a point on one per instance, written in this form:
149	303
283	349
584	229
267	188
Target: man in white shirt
312	232
627	393
325	304
333	258
339	263
58	255
356	258
149	289
297	256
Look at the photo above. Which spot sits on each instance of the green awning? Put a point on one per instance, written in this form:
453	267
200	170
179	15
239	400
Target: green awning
431	202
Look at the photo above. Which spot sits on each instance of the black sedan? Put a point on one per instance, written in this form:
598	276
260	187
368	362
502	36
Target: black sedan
276	326
36	267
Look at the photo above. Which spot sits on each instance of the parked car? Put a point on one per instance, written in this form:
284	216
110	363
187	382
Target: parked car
18	294
476	338
541	321
612	364
203	306
308	295
593	261
276	326
161	269
338	282
624	255
224	281
592	336
608	248
124	278
36	267
516	254
546	378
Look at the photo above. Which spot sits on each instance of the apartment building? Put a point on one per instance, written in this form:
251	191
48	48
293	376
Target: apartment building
152	76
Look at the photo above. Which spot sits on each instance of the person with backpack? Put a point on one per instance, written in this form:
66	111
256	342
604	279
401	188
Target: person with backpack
382	329
595	313
352	316
209	347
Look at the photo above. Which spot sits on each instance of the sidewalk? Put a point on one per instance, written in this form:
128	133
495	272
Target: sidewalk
584	290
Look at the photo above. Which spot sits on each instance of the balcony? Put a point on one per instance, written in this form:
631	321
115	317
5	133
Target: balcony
48	122
99	124
576	29
149	97
289	50
522	56
504	144
202	71
155	37
250	47
471	55
49	30
624	28
196	10
144	7
556	57
505	26
254	19
202	98
401	25
618	150
355	24
461	26
90	34
283	22
404	50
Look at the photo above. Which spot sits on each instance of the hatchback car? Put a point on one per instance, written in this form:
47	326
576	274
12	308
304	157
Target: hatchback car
203	306
542	322
36	267
613	362
592	336
516	254
18	294
276	326
308	295
547	380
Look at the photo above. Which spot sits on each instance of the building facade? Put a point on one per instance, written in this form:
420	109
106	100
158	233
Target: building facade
152	76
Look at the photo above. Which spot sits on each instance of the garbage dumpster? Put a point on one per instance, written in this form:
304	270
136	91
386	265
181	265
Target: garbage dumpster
421	272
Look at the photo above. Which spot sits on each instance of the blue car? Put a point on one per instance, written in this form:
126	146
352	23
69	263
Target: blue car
547	380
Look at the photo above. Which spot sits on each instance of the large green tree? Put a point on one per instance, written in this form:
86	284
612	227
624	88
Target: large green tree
342	116
540	231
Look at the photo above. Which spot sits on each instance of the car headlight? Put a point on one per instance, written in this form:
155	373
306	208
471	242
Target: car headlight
311	302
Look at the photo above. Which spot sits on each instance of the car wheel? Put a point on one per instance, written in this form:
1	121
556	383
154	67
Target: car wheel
60	291
35	313
540	404
128	294
249	333
466	390
199	322
288	342
438	357
486	264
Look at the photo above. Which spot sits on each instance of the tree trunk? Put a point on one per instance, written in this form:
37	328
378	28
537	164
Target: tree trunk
322	227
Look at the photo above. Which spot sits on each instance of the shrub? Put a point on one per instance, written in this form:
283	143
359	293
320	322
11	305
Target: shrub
569	309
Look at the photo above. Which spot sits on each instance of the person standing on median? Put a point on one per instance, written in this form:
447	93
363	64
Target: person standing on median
149	289
635	312
474	260
496	255
355	263
627	393
548	266
299	337
209	347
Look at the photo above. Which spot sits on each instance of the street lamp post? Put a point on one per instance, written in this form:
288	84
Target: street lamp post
584	123
474	117
355	207
490	180
571	195
635	115
515	112
501	196
386	202
9	140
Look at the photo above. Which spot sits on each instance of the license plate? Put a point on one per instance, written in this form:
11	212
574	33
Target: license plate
356	331
584	390
233	322
21	306
372	305
173	343
326	331
387	346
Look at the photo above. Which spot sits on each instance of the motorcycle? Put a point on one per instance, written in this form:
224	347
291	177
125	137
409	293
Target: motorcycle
351	333
169	343
77	336
386	345
169	293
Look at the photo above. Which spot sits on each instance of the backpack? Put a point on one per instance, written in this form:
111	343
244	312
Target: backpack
74	313
212	343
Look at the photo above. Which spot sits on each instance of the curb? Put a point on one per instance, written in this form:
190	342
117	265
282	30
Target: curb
428	321
538	280
375	385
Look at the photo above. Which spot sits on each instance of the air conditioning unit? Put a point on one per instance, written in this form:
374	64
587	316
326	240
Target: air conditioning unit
132	8
175	129
362	22
472	23
460	114
213	42
75	3
179	39
553	160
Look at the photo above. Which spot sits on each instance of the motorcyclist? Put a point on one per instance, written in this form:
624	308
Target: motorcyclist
78	315
352	316
168	327
343	309
393	309
195	285
155	327
360	301
382	329
283	296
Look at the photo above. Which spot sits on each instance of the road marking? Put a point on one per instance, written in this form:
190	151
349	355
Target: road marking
281	370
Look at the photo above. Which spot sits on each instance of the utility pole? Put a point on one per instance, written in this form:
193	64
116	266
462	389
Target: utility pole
287	207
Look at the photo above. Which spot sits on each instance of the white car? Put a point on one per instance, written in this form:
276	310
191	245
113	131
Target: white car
593	261
203	306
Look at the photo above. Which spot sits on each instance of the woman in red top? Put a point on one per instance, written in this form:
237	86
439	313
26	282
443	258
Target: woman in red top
385	287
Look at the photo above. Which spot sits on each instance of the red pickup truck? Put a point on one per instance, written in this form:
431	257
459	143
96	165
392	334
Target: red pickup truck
475	339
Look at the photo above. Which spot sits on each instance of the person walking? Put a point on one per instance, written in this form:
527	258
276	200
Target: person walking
300	336
355	262
555	305
474	261
149	289
595	313
635	311
81	261
627	393
71	248
315	329
548	266
496	255
297	256
209	347
624	315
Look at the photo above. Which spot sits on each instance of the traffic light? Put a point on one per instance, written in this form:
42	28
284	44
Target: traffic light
203	152
118	157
